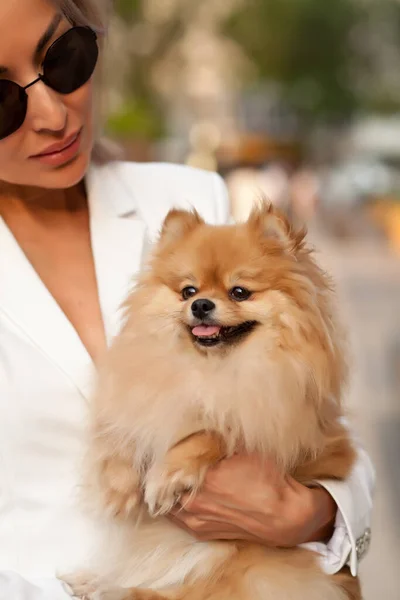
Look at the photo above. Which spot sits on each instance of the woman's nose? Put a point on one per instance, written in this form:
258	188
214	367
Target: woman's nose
46	109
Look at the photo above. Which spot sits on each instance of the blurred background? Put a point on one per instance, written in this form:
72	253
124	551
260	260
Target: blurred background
298	100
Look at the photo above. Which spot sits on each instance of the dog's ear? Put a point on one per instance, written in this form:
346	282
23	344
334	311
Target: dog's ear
179	223
273	224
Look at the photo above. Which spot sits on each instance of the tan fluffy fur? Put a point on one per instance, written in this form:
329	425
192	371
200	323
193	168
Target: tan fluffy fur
167	409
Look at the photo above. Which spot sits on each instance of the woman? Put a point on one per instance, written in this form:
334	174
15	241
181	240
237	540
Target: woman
72	234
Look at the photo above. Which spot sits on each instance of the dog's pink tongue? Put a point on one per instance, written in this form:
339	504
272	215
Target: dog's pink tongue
205	330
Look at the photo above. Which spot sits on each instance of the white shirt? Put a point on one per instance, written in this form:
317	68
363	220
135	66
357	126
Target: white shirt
46	378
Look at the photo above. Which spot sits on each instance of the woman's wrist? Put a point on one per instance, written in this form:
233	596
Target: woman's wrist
297	515
322	520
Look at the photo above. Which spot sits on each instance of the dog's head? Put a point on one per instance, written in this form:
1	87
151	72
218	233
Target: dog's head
226	284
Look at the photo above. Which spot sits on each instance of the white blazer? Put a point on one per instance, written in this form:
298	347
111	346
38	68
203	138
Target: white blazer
46	377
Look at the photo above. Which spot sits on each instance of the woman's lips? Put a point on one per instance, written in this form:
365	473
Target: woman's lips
61	153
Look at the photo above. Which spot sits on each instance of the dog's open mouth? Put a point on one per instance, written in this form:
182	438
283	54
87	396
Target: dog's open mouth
211	335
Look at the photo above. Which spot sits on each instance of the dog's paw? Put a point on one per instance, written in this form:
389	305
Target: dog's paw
121	504
121	488
183	470
165	486
82	584
86	586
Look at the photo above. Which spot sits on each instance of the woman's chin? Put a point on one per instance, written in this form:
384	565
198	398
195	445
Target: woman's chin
61	177
69	174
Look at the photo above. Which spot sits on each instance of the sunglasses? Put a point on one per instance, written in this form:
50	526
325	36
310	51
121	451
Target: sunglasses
69	64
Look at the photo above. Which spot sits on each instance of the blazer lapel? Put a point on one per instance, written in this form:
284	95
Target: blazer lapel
25	300
118	240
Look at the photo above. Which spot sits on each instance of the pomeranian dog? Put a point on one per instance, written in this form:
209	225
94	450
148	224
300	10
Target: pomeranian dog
230	341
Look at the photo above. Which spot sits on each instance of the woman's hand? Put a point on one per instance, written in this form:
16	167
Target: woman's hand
247	498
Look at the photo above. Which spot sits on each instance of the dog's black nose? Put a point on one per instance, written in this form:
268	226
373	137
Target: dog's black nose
202	307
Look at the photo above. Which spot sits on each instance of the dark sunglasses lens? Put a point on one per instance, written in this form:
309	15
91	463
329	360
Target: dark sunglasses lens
13	105
71	60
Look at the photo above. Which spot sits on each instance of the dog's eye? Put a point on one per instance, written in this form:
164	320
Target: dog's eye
188	292
239	294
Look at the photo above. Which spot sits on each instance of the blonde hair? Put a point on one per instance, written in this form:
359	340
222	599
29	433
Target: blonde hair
96	15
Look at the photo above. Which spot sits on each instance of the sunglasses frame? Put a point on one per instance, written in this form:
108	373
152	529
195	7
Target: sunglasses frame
42	77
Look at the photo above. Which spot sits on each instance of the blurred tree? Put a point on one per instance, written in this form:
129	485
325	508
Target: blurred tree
378	45
127	9
137	112
163	48
305	46
323	60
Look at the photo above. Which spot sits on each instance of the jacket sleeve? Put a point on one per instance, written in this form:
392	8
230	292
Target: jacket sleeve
352	533
15	587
